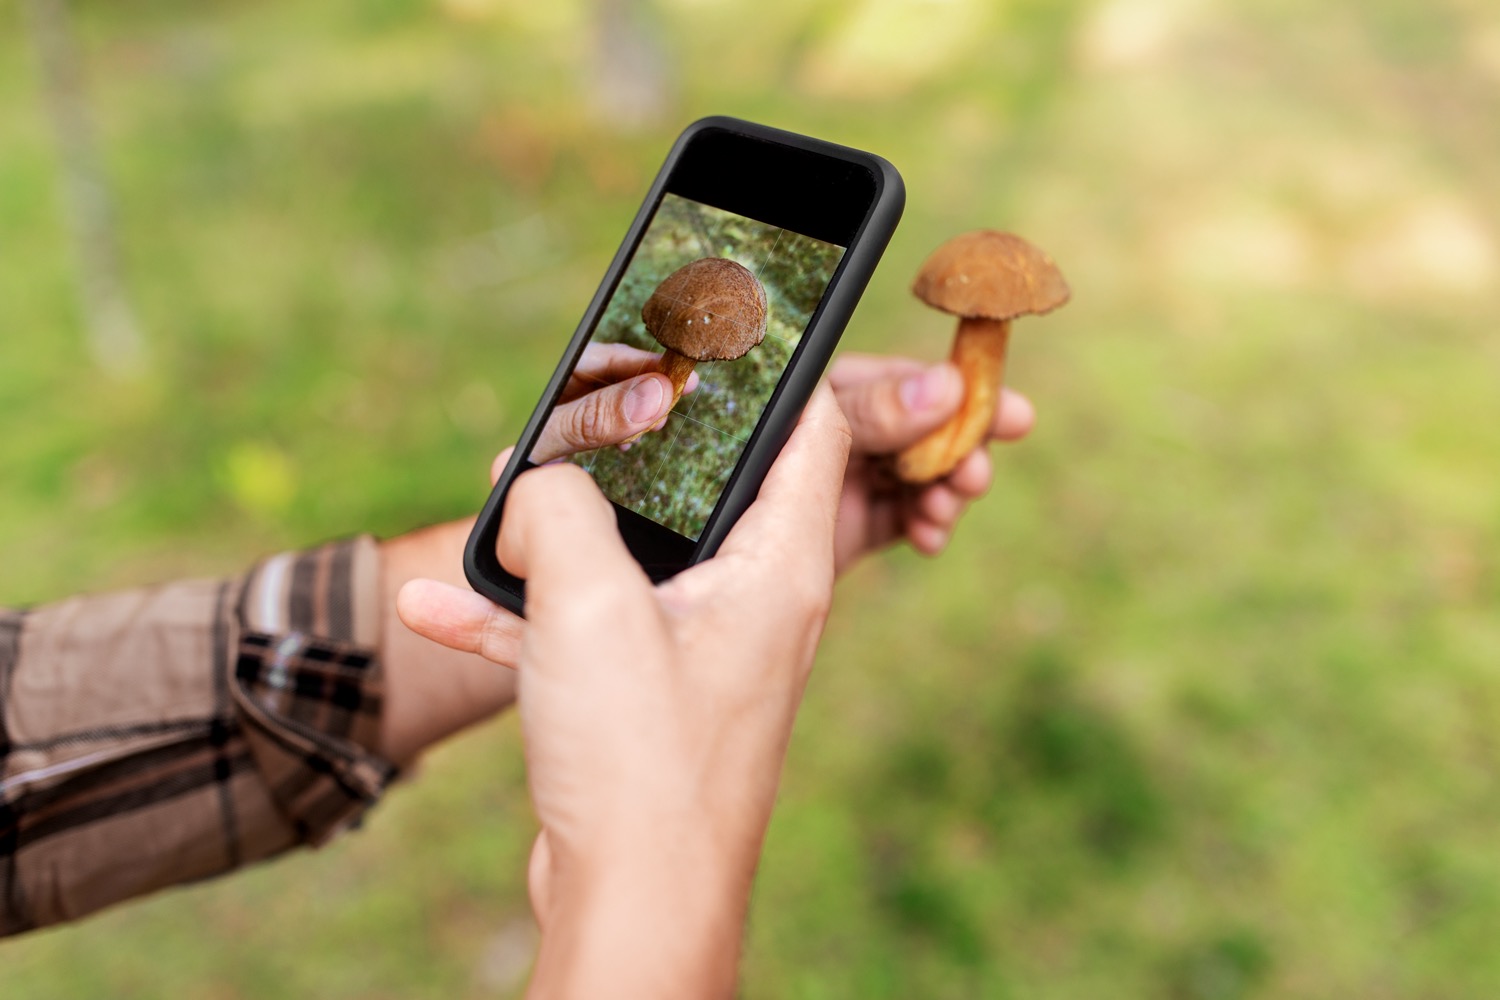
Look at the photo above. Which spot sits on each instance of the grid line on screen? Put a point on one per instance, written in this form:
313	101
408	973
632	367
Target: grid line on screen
769	255
657	481
656	476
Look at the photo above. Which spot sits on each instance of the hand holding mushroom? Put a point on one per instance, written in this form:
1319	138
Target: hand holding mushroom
615	394
891	403
712	309
987	279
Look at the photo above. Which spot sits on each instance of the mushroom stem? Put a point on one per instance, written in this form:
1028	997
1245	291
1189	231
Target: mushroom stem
979	354
677	367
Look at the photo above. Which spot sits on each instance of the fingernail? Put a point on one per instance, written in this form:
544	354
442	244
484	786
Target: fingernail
643	401
924	391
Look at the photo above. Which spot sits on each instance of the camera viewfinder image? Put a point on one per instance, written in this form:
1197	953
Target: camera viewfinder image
717	303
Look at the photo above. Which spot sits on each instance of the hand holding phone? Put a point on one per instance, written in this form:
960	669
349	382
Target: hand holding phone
658	823
733	283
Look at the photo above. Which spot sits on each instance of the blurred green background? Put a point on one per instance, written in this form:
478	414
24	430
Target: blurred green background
1204	701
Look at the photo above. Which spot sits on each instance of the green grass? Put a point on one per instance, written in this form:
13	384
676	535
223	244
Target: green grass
1200	704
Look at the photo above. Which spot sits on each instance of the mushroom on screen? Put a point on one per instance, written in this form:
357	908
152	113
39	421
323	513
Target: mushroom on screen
712	309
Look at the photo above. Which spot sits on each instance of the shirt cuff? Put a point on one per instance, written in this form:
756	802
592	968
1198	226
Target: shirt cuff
172	733
309	685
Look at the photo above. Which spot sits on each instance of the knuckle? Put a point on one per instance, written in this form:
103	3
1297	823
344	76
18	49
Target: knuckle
500	637
810	593
841	427
870	407
545	485
588	423
817	607
622	603
886	424
562	472
607	602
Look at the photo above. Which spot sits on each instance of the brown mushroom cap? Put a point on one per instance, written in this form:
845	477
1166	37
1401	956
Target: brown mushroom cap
710	310
992	275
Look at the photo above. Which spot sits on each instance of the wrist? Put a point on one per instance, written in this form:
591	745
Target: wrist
431	691
659	914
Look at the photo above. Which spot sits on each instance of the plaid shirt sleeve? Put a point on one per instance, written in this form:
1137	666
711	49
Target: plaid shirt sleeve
165	735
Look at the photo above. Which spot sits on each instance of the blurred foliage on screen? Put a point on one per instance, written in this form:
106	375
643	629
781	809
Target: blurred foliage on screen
1202	701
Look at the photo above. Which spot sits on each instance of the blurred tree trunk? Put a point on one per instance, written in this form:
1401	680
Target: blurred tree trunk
631	86
113	335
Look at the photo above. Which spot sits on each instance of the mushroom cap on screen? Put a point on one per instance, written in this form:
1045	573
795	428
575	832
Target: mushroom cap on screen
992	275
710	310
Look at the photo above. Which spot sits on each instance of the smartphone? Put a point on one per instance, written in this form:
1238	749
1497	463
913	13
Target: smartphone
736	279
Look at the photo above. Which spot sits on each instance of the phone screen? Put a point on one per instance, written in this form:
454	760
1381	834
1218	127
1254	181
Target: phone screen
720	299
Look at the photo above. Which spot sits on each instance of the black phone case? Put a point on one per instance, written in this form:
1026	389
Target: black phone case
785	406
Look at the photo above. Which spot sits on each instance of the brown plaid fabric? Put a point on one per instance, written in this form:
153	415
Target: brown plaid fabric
165	735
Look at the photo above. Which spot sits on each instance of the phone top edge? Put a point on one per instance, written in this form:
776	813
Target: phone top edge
811	186
739	126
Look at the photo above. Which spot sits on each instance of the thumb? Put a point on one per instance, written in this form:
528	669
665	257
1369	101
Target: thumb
460	619
890	412
559	534
606	416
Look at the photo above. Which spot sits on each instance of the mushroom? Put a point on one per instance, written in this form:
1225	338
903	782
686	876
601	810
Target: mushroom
986	278
710	310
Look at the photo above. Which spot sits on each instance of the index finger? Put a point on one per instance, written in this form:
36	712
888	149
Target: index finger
603	364
558	534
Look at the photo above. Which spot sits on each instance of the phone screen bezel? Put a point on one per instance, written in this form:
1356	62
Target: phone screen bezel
828	192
